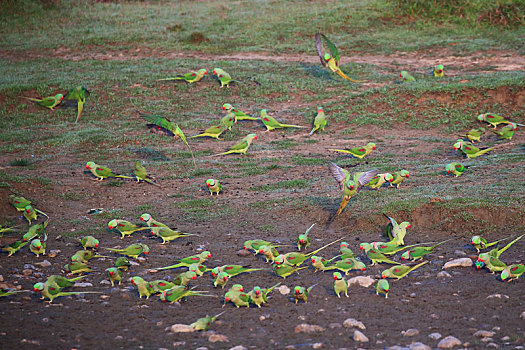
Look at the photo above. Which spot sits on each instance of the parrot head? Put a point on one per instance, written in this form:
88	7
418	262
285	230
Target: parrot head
38	287
206	254
504	275
59	97
192	275
350	185
404	173
343	244
257	290
90	165
481	117
28	209
111	271
337	276
215	271
372	145
405	224
210	182
152	233
298	290
132	280
389	177
439	69
327	57
145	217
112	224
458	145
475	240
405	255
320	109
514	126
449	168
279	259
237	288
226	106
479	264
365	246
403	74
96	243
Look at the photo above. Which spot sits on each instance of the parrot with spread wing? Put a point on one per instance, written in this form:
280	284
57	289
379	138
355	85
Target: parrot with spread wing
400	271
125	228
241	146
358	152
319	121
348	184
329	56
79	94
396	232
271	123
48	102
239	115
303	241
214	186
133	250
102	172
190	77
223	77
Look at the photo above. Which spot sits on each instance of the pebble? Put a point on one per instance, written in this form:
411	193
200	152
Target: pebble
492	345
239	347
284	290
308	328
141	259
243	253
461	262
181	328
105	282
1	278
460	252
45	320
44	263
335	325
484	334
27	272
317	346
218	338
486	340
29	266
497	295
83	284
434	336
497	328
434	316
449	342
53	253
505	338
419	346
444	274
410	332
262	318
522	315
360	337
353	323
396	347
363	281
119	337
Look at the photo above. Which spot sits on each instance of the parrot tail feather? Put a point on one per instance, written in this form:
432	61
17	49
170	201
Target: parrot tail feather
343	75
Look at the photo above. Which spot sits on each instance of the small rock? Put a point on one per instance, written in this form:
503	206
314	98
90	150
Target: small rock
363	281
1	278
396	347
505	338
335	325
45	320
83	284
434	316
496	328
105	282
27	272
53	253
317	346
243	253
217	337
308	328
284	290
44	263
449	342
262	318
410	332
301	317
492	345
181	328
119	337
144	306
353	323
419	346
360	337
104	296
461	262
484	334
497	295
239	347
202	348
412	295
444	274
141	259
522	315
434	336
460	253
29	266
487	340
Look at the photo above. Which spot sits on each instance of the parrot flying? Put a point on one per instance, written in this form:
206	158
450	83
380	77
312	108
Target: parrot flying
329	56
223	77
319	121
190	77
48	102
358	152
214	186
102	172
271	123
241	146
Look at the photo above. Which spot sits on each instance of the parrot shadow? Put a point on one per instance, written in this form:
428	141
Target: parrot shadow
149	153
316	71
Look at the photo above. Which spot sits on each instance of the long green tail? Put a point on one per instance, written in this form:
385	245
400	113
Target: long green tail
500	251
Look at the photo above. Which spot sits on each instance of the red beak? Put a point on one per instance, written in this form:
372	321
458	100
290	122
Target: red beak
255	138
96	245
146	253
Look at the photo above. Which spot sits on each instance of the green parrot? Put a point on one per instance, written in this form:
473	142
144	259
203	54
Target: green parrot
15	246
122	263
387	248
125	228
455	168
469	150
285	270
190	77
102	172
378	257
62	282
237	298
163	125
344	252
239	115
228	120
5	229
213	131
223	77
221	279
382	287
269	252
89	242
303	241
115	275
204	324
259	296
396	232
5	292
52	292
30	214
418	252
358	152
496	252
236	288
400	271
271	123
493	119
178	292
241	146
185	262
301	294
159	286
141	174
507	131
167	234
182	279
133	250
142	286
340	284
35	231
20	203
48	102
346	265
319	263
438	71
76	267
37	247
148	219
85	255
199	269
319	121
399	176
479	242
348	184
406	77
255	244
512	272
493	264
329	55
475	134
214	186
79	94
378	180
296	259
232	270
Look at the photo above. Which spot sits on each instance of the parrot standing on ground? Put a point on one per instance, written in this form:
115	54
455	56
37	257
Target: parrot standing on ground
301	293
89	242
167	234
506	132
378	257
469	150
296	259
239	115
159	286
176	293
406	77
285	270
512	272
303	241
344	252
190	77
122	263
20	203
329	55
479	242
79	94
141	174
233	270
418	252
400	271
213	131
187	261
455	168
494	252
76	267
493	119
378	180
358	152
48	102
241	146
52	292
133	250
204	324
383	287
182	279
38	247
348	184
214	186
237	298
271	123
319	121
102	172
259	296
35	231
221	279
399	176
475	134
148	219
115	275
319	263
125	228
223	77
142	286
346	266
438	71
340	284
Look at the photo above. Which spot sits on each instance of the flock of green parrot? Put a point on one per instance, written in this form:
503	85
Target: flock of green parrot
282	264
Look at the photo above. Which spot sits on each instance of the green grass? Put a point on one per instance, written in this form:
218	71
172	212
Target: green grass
287	184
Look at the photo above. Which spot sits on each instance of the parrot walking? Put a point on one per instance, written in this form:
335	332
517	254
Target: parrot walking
233	270
358	152
346	266
133	250
492	119
237	298
378	180
303	241
396	232
167	234
383	287
479	242
159	286
125	228
187	261
142	286
241	146
223	77
329	55
35	231
400	271
48	102
301	293
177	293
348	184
438	71
507	131
259	296
141	174
418	252
239	115
344	252
190	77
214	186
89	242
407	77
319	121
14	247
20	203
52	292
115	275
271	123
182	279
221	279
102	172
512	272
148	219
296	259
471	151
79	94
61	281
285	270
475	134
378	257
455	168
399	176
37	247
340	284
213	131
204	323
122	263
495	252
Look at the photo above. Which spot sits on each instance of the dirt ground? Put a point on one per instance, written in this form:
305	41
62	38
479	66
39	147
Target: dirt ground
459	304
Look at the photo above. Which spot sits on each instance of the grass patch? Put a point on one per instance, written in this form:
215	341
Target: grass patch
287	184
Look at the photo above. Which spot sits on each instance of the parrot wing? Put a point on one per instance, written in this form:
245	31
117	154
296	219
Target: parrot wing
327	47
339	174
365	178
